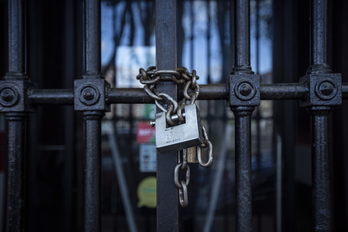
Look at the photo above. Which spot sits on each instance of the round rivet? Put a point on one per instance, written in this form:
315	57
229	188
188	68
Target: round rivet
8	96
326	90
245	91
89	95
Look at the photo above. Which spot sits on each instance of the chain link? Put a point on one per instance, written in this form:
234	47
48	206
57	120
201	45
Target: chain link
182	185
206	144
179	75
172	108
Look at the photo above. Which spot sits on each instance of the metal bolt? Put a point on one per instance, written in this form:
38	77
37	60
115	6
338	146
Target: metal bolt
245	89
7	95
88	93
326	88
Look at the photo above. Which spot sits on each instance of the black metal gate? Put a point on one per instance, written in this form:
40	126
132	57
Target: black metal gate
318	92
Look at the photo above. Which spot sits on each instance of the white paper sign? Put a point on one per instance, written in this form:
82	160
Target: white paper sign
147	158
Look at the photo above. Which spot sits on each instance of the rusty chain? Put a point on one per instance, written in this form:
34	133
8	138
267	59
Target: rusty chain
180	76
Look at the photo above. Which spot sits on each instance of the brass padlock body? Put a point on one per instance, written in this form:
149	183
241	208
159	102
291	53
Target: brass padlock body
192	155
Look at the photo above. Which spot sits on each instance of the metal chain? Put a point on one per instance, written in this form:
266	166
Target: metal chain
180	76
191	89
182	185
206	144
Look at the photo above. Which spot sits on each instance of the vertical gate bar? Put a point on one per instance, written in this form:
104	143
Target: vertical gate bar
320	173
92	171
192	37
243	169
166	58
258	113
92	203
16	120
242	34
243	121
93	37
319	118
319	32
208	45
15	171
16	44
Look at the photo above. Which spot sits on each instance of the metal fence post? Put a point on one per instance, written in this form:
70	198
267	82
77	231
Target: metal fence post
244	96
13	101
89	97
166	59
325	91
318	91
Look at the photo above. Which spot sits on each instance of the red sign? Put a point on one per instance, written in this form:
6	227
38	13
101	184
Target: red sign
145	133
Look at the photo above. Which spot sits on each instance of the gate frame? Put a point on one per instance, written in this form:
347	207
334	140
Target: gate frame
318	91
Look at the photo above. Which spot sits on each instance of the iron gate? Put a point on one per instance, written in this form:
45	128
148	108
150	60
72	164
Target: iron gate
318	92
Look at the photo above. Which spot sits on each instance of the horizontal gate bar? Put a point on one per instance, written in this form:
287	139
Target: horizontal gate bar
52	96
290	91
277	91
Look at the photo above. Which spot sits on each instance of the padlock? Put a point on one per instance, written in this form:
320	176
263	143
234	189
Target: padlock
174	138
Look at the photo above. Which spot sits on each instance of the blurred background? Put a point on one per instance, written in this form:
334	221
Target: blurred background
281	159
